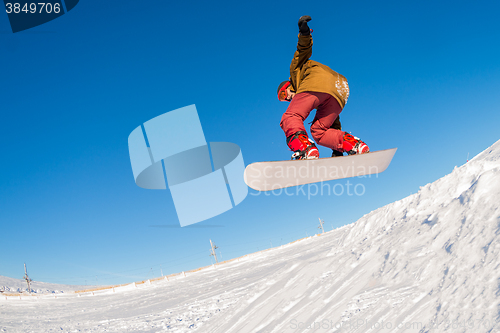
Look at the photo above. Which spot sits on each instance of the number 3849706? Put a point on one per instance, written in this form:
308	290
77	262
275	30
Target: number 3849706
33	8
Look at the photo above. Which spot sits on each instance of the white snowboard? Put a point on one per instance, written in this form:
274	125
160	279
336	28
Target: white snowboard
268	176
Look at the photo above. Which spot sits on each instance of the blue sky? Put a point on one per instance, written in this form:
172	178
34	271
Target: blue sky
424	77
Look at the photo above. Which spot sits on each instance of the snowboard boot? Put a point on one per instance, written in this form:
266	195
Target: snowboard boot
302	146
353	145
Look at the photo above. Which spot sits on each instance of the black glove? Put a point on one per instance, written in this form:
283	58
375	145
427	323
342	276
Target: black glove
303	27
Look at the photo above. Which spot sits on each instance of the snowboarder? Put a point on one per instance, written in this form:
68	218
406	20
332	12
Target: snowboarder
313	85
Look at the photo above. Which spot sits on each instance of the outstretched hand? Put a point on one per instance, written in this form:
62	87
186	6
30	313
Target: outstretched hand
303	27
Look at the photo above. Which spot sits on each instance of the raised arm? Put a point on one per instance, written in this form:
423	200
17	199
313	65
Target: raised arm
304	50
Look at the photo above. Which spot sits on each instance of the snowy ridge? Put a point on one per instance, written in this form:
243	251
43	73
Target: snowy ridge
10	285
427	263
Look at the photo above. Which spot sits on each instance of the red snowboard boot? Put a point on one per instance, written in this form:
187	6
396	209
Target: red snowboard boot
353	145
303	147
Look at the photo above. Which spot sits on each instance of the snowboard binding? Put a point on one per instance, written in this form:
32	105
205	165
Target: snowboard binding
353	145
303	147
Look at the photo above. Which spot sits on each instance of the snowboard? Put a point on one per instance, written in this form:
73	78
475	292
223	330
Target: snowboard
274	175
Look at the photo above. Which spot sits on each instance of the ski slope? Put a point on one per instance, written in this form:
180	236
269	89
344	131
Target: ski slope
427	263
10	285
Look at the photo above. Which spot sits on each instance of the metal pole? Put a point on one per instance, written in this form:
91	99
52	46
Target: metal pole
26	277
213	247
321	226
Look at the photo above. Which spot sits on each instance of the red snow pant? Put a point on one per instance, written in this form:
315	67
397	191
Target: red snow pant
328	109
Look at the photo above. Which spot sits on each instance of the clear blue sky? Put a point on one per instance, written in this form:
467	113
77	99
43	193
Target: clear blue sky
424	77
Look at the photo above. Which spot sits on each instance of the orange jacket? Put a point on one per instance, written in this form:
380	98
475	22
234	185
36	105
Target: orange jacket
310	75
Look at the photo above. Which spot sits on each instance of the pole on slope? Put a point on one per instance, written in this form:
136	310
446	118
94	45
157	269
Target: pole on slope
212	251
27	278
321	225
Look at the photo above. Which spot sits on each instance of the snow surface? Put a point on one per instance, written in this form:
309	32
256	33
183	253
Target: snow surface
427	263
10	285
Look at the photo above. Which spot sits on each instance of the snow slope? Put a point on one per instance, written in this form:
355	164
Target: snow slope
10	285
427	263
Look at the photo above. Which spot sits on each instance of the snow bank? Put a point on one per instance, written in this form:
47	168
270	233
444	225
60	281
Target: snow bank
427	263
10	285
